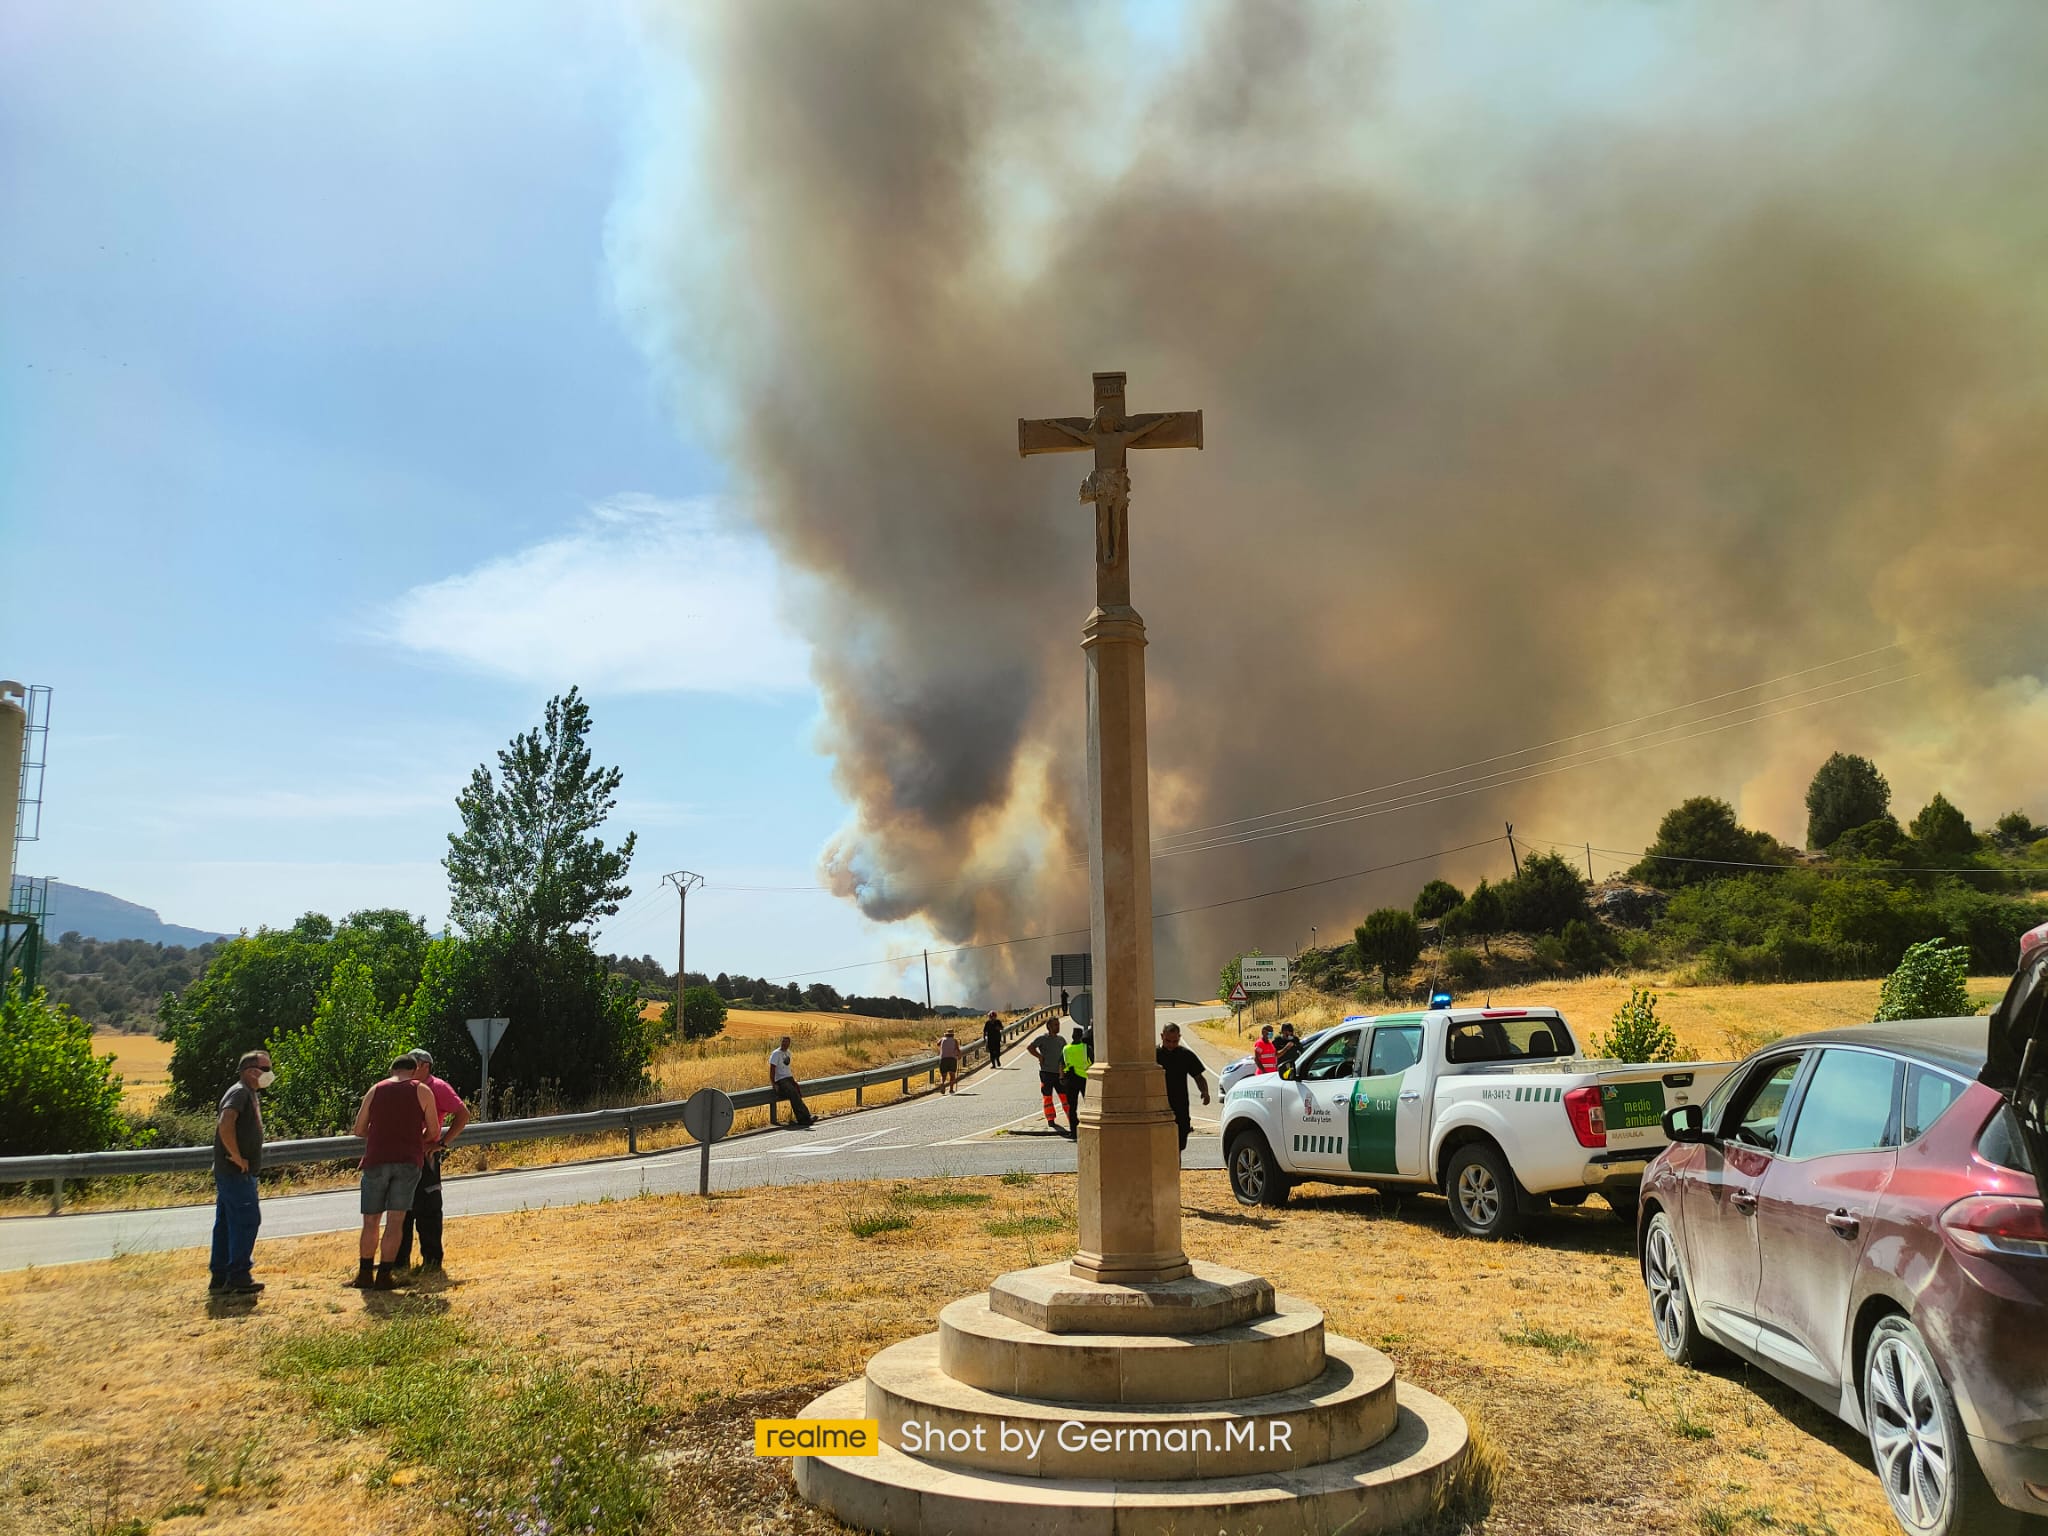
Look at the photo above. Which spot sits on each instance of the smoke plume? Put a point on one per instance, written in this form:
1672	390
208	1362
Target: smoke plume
1561	363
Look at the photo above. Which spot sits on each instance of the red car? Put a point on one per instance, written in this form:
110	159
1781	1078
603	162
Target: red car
1857	1213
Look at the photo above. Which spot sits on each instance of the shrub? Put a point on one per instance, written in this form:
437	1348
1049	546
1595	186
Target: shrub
2014	831
1942	831
1547	895
1482	915
1585	946
1550	953
1436	899
55	1095
1466	966
1846	791
703	1013
324	1070
1928	984
1391	940
1636	1033
1704	829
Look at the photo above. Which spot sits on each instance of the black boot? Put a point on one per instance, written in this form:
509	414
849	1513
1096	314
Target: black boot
383	1282
362	1279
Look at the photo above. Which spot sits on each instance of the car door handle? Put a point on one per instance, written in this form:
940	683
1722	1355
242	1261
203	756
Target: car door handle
1744	1201
1410	1098
1843	1224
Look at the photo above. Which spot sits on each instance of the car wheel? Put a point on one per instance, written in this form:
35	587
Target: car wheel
1255	1176
1482	1191
1916	1439
1678	1329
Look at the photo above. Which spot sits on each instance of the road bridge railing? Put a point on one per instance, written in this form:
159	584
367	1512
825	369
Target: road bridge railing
60	1168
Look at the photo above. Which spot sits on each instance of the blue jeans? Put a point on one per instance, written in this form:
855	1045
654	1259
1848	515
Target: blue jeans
236	1216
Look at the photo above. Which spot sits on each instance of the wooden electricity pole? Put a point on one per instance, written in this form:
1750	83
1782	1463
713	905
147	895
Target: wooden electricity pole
1511	848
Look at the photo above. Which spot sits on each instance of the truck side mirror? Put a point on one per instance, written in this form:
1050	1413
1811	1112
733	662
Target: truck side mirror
1688	1122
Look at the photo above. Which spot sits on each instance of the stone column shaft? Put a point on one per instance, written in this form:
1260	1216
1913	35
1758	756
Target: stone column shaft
1129	1149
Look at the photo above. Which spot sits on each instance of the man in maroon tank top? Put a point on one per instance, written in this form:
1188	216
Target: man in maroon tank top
396	1122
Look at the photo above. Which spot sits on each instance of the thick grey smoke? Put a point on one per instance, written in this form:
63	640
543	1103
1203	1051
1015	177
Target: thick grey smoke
1606	358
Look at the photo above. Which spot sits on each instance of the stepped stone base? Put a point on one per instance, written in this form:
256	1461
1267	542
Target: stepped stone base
1402	1479
1189	1407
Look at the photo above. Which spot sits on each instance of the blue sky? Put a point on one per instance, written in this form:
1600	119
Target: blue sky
324	460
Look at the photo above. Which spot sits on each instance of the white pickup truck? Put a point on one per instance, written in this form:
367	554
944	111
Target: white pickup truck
1496	1107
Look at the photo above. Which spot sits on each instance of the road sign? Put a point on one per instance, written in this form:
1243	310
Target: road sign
1081	1009
1072	971
487	1033
1263	973
1238	996
707	1115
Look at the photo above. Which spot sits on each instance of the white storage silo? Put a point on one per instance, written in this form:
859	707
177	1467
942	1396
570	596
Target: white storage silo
13	731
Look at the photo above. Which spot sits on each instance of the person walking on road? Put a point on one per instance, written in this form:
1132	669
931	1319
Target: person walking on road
949	1063
1078	1056
237	1155
1265	1054
1063	1002
397	1122
450	1116
782	1078
992	1037
1047	1048
1181	1066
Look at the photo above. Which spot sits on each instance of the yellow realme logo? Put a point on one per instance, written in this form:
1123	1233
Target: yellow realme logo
817	1437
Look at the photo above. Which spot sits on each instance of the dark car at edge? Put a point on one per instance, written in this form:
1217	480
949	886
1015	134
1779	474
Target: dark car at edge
1857	1213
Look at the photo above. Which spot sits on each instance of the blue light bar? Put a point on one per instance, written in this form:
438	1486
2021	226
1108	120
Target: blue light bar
1439	999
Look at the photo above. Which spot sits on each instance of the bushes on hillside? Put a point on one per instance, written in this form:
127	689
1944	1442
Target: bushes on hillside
55	1095
1700	839
1436	899
1548	894
1391	941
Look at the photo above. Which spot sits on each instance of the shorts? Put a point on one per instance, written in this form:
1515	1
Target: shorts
948	1065
389	1187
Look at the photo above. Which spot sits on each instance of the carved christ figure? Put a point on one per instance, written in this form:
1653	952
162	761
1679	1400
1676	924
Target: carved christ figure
1110	433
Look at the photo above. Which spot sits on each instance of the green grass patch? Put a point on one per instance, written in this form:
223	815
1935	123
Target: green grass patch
1024	1226
1548	1340
935	1199
874	1220
1017	1177
752	1258
515	1439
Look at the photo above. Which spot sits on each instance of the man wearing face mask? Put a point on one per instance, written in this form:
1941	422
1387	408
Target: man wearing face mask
237	1155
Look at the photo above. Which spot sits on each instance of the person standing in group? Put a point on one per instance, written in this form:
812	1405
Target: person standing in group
397	1123
1265	1054
782	1078
949	1063
237	1157
1076	1058
450	1116
1286	1046
992	1037
1181	1066
1047	1048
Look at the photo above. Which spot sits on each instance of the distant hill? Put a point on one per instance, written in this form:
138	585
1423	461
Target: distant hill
96	915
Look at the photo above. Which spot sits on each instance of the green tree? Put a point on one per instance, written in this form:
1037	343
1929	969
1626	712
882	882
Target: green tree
1482	915
1882	841
1232	972
1585	946
703	1013
324	1069
2015	830
55	1095
1700	839
1847	791
1437	899
1928	984
1391	940
1942	831
528	863
1548	894
1636	1033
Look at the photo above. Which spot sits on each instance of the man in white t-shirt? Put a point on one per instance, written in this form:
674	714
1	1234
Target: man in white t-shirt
782	1078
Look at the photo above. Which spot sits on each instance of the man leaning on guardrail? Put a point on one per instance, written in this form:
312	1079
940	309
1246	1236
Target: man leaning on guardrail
782	1078
237	1155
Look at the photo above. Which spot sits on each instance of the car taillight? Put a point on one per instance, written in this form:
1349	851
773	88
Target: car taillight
1998	1224
1589	1120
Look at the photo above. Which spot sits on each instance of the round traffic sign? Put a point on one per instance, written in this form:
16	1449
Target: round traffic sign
708	1114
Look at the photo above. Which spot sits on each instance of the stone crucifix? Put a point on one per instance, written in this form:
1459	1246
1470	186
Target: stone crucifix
1129	1153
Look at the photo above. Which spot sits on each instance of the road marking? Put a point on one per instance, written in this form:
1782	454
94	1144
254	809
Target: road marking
837	1146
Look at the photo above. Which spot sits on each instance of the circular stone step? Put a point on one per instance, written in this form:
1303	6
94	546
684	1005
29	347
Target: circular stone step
926	1413
1397	1482
984	1348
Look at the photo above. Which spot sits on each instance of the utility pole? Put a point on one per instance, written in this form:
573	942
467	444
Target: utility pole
927	982
1511	848
1591	878
683	881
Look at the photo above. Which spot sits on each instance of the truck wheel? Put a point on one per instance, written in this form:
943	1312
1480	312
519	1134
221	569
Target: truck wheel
1678	1330
1482	1191
1256	1177
1623	1203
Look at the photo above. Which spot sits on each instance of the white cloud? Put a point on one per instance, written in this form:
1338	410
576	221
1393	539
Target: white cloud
644	596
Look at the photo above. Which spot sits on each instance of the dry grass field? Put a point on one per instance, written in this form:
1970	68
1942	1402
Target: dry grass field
144	1063
1713	1023
126	1397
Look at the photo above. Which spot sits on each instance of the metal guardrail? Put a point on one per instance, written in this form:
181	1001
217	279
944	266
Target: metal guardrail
60	1168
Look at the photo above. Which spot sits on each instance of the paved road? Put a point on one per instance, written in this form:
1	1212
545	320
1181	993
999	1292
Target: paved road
992	1125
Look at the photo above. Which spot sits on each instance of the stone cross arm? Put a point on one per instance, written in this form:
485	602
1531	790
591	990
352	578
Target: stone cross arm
1071	434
